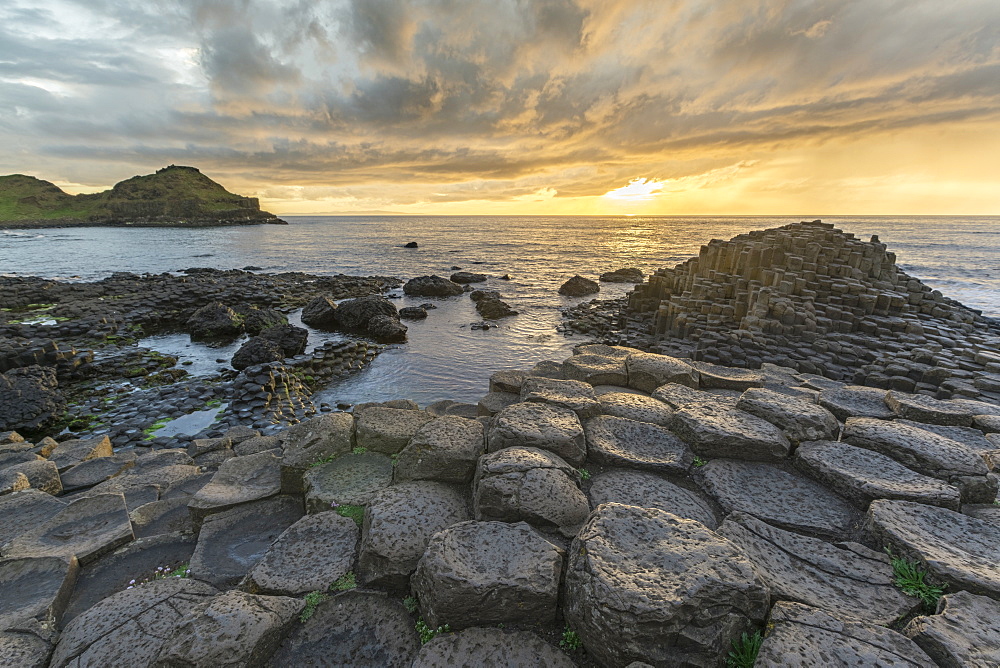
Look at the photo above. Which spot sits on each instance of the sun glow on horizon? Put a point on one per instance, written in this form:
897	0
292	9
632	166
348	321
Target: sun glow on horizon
637	190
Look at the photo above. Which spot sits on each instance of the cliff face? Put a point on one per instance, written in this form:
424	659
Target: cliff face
173	195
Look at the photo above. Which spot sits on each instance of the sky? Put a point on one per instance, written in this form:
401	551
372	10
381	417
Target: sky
582	107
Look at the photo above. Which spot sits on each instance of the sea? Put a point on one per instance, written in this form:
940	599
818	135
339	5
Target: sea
444	357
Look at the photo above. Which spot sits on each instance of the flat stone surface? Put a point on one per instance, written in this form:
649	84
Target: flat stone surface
861	476
494	402
354	628
388	430
507	381
847	580
95	471
35	588
615	441
596	369
856	401
785	500
648	490
308	442
648	371
40	474
989	424
531	485
960	550
713	376
131	627
970	437
534	425
398	523
445	449
575	395
24	511
12	481
509	565
490	648
239	480
806	637
232	542
86	529
236	629
799	419
347	480
676	396
70	453
987	512
309	556
965	632
160	517
638	583
714	431
136	482
921	408
634	406
28	646
127	566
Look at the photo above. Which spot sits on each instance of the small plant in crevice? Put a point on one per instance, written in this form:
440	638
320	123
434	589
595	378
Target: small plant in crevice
324	460
162	573
345	582
584	474
313	599
570	640
698	461
745	650
360	450
426	633
410	603
356	513
911	580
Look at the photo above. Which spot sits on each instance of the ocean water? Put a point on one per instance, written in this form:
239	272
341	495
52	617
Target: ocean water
444	358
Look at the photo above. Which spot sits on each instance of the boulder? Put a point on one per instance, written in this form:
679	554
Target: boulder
615	441
74	451
572	394
30	399
481	295
494	309
319	438
385	329
309	556
623	275
639	581
413	313
445	449
856	401
848	580
463	277
531	485
715	431
861	476
320	313
95	471
490	648
636	407
356	314
388	430
239	480
399	522
578	286
779	498
351	479
509	565
648	371
431	286
537	425
803	637
35	588
215	320
257	350
647	490
255	321
799	419
964	632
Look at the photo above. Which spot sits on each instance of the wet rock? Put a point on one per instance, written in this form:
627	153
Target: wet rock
357	313
412	313
799	419
239	480
647	490
70	453
398	523
856	401
861	476
232	542
492	648
464	277
957	549
30	399
648	371
431	286
412	244
714	431
802	637
623	275
291	339
351	479
639	579
24	511
787	501
214	321
578	286
257	320
388	430
615	441
531	485
536	425
922	408
235	629
494	309
35	588
636	407
131	627
257	350
575	395
86	529
354	628
848	580
964	632
320	313
445	449
306	443
95	471
509	565
309	556
384	329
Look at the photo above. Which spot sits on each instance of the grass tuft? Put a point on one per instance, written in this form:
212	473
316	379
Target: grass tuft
745	650
410	603
911	580
426	633
584	474
360	450
356	513
313	599
698	461
570	640
345	582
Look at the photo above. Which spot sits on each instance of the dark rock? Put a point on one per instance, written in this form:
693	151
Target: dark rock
257	320
30	399
384	329
647	371
24	511
214	321
239	480
356	314
28	645
35	589
291	339
713	376
713	431
856	401
647	490
412	244
490	647
494	309
95	471
69	453
351	479
578	286
536	425
318	438
964	632
799	419
162	517
921	408
494	402
623	275
320	313
615	441
481	295
445	449
463	277
431	286
413	313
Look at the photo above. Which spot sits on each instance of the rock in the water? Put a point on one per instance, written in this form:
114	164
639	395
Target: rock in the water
623	275
494	309
320	438
431	286
413	313
848	580
385	329
467	277
320	313
537	425
799	419
35	588
532	485
965	632
309	556
647	490
636	407
509	565
257	320
291	339
357	313
388	430
806	637
957	549
257	350
787	501
578	286
572	394
351	479
398	523
615	441
861	476
214	321
239	480
648	371
640	580
30	399
490	648
354	628
856	401
445	449
715	431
